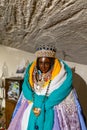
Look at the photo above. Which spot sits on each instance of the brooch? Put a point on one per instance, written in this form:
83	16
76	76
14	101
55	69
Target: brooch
36	111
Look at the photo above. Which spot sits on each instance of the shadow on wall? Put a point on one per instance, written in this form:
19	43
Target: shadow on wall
81	88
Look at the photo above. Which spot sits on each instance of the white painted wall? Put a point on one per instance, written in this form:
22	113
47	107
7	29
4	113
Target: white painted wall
80	69
13	58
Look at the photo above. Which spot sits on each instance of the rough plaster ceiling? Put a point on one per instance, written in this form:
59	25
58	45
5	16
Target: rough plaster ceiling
23	22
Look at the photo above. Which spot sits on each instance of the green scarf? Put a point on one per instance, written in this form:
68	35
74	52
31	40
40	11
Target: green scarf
45	120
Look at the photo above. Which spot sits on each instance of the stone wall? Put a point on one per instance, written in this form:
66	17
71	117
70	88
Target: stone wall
23	21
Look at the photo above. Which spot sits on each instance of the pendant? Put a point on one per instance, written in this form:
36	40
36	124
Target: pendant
36	127
41	83
37	87
36	111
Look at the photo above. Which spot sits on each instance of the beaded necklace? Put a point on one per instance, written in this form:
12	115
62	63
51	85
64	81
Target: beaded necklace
36	110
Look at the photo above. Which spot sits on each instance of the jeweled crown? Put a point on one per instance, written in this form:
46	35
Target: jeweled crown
45	50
